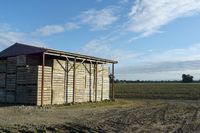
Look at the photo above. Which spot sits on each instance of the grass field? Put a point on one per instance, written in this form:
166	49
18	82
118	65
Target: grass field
158	90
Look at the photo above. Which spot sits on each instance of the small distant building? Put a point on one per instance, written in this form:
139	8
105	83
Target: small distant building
42	76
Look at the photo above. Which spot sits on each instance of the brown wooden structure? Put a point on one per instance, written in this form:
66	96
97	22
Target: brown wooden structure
41	76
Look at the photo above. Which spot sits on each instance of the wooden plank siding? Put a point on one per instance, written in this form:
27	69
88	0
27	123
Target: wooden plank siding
58	82
47	85
21	81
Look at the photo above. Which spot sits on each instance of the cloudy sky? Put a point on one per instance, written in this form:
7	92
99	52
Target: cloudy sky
151	39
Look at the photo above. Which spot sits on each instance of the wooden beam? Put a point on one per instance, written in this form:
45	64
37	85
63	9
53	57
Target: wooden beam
74	80
52	82
65	83
78	56
113	78
96	69
80	64
70	69
90	82
66	87
42	86
63	67
87	68
102	83
69	61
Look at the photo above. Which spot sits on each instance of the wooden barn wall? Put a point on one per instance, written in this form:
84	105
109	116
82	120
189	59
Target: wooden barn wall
21	83
82	91
3	64
26	89
84	84
69	84
47	85
11	79
106	80
34	59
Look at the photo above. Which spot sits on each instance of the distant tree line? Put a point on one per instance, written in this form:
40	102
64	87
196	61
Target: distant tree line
186	78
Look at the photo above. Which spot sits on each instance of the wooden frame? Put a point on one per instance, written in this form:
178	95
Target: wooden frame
42	85
74	80
112	83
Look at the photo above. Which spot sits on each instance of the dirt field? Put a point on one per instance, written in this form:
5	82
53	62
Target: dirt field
120	116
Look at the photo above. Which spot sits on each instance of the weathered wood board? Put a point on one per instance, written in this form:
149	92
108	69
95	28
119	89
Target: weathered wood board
21	60
58	82
3	64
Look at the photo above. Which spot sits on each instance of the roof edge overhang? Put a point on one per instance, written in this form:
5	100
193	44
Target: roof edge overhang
25	49
78	56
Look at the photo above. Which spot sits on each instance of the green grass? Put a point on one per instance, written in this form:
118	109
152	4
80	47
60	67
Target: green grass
158	90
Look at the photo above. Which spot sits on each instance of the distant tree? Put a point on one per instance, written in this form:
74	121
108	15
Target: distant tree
137	81
186	78
117	81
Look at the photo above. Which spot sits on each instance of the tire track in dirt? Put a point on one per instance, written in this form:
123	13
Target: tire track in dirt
164	118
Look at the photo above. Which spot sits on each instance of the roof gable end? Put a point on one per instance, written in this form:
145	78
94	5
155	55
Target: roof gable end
20	49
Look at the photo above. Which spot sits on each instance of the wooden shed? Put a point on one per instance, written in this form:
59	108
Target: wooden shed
42	76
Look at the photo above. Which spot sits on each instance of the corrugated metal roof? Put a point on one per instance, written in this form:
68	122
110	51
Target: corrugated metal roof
24	49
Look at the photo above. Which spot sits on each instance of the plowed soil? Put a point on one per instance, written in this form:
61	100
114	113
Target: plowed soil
121	116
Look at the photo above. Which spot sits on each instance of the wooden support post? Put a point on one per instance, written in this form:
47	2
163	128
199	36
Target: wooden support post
74	80
66	81
113	78
42	86
102	83
96	69
69	62
52	83
90	82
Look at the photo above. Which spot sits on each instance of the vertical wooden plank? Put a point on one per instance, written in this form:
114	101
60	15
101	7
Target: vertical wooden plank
74	80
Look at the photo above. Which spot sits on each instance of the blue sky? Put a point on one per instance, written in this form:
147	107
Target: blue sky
151	39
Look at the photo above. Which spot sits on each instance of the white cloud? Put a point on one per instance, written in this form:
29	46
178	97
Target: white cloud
148	16
103	49
54	29
190	53
9	37
99	19
168	65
